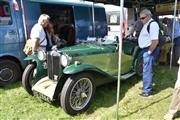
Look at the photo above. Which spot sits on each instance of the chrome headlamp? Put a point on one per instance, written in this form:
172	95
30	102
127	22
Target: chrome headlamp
65	60
42	55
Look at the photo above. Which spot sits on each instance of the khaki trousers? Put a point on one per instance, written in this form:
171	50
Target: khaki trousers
175	103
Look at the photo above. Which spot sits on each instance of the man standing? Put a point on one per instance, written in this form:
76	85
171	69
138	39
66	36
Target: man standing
148	42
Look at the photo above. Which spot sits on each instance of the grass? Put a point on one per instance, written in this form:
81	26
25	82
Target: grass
16	104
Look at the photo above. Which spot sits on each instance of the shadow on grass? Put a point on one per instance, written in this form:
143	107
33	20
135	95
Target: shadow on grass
144	107
177	114
164	78
106	95
12	86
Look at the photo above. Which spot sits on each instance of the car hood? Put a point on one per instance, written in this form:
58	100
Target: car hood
86	49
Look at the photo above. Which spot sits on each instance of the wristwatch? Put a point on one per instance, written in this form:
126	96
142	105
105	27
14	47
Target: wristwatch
149	52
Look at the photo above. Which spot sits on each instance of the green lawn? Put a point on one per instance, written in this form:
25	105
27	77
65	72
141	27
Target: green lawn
16	104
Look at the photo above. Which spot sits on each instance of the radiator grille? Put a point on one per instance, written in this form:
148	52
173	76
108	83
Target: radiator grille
54	65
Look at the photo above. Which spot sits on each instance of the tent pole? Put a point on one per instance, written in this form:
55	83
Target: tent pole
119	58
175	7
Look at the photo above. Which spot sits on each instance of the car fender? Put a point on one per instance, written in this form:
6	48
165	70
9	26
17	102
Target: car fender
32	57
76	68
100	76
39	65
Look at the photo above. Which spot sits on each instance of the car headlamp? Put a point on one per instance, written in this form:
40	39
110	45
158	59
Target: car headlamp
65	60
42	55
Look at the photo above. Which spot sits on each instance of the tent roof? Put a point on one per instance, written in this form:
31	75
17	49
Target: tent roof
131	3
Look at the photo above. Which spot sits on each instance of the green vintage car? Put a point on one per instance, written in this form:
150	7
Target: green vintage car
70	75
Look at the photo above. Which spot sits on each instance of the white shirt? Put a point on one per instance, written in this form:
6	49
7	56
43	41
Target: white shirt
38	32
145	38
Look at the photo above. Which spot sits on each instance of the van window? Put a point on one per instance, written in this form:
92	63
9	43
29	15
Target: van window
5	14
113	18
100	22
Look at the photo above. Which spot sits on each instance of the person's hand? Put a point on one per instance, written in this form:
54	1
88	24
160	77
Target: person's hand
146	54
146	57
35	44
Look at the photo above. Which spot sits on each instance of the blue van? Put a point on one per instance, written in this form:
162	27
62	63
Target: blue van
73	21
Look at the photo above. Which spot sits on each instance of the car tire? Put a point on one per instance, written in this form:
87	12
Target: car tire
77	93
27	78
139	66
10	72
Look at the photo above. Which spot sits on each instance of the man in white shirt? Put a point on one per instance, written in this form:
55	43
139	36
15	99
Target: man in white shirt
38	33
148	42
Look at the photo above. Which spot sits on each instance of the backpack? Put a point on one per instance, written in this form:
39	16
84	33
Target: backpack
162	37
148	27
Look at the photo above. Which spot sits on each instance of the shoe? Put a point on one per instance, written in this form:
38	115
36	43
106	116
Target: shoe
141	87
168	116
144	94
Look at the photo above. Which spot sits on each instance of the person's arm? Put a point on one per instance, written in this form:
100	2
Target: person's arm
154	35
153	46
35	44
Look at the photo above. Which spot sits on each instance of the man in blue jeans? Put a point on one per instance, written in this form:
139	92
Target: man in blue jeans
148	42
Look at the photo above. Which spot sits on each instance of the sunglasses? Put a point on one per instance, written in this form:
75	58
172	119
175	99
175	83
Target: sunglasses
142	18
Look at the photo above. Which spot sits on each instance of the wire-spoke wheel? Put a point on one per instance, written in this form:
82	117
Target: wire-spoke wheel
77	93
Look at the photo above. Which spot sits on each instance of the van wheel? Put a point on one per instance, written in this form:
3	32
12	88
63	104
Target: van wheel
139	66
10	72
77	93
27	78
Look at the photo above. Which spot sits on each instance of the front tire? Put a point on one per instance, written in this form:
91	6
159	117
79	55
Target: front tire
28	79
77	93
139	66
10	72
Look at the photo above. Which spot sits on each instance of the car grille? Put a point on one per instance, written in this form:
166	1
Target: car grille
54	65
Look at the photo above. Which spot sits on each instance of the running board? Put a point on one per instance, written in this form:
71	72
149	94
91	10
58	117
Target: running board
126	76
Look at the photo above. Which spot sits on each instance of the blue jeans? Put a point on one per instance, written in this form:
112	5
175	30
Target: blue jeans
148	61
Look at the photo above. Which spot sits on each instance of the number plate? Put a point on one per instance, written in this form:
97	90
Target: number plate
42	96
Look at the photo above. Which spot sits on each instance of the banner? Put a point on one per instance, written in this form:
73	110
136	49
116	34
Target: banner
166	8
